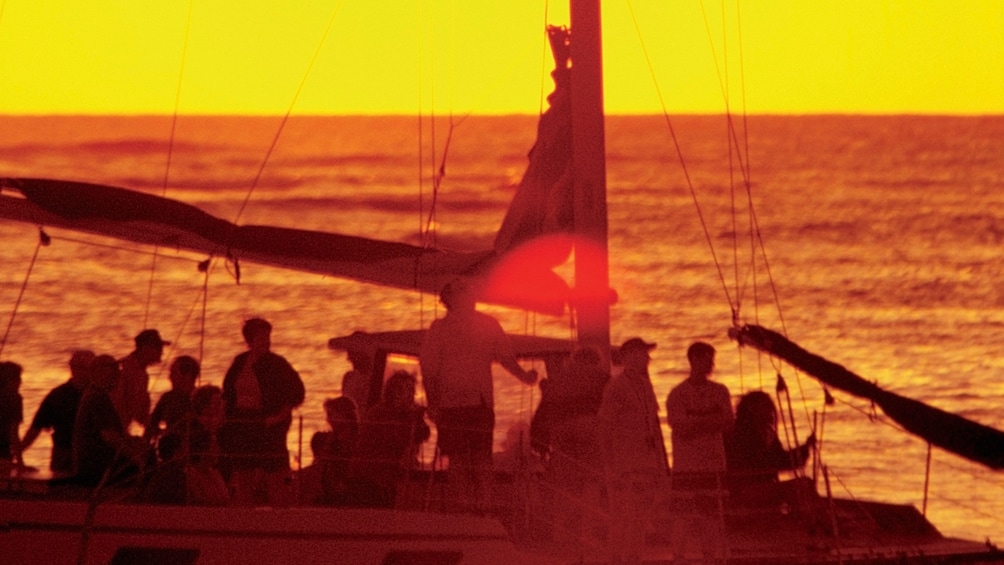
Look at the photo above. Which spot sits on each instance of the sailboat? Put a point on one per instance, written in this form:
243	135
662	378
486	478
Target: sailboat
561	198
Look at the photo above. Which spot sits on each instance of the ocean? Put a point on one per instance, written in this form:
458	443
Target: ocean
878	245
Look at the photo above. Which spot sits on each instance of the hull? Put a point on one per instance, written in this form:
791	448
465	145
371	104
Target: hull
35	527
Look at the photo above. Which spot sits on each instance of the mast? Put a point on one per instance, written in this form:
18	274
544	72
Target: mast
592	279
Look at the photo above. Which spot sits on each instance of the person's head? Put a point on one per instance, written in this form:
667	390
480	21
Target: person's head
458	295
361	359
80	367
634	353
104	372
149	347
10	377
756	414
257	333
702	359
184	373
399	390
340	411
317	444
207	405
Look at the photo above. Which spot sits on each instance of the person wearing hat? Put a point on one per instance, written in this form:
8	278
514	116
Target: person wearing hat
633	453
699	413
456	361
131	394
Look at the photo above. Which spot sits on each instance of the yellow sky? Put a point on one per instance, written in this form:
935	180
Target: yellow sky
399	56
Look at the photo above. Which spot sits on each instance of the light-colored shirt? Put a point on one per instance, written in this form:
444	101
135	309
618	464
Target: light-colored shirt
699	413
456	359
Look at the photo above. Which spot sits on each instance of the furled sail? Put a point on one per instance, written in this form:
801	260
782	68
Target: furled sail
952	432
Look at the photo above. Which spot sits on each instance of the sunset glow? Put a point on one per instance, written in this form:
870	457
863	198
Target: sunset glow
859	56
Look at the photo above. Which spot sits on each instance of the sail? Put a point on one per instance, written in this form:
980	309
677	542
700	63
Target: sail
148	219
952	432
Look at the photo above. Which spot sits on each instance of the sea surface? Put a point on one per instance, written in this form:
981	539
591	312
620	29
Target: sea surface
880	245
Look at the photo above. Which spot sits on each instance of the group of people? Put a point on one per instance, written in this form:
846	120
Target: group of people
600	434
362	458
203	444
603	435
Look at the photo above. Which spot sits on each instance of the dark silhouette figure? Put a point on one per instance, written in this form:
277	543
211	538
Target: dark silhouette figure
755	454
456	360
260	391
131	394
389	436
11	415
58	411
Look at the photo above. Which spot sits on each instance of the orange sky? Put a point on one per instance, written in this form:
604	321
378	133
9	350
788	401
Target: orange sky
399	56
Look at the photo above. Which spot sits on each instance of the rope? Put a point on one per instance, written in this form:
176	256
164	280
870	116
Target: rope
170	155
680	158
285	117
43	241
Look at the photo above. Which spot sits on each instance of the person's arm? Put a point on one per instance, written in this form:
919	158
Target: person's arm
506	357
429	364
29	437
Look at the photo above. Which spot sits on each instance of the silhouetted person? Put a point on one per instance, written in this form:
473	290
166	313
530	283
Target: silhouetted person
260	391
755	454
356	381
58	411
699	412
174	408
131	395
456	361
389	436
565	427
11	416
101	445
631	445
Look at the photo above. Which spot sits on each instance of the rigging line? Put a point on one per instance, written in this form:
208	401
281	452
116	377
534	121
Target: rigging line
119	248
285	117
679	154
43	241
170	155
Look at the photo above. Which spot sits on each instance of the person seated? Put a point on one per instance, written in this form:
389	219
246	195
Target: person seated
755	455
333	449
389	436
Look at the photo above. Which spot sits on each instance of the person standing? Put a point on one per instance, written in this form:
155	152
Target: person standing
102	449
58	411
11	415
260	391
131	396
456	361
632	449
699	413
